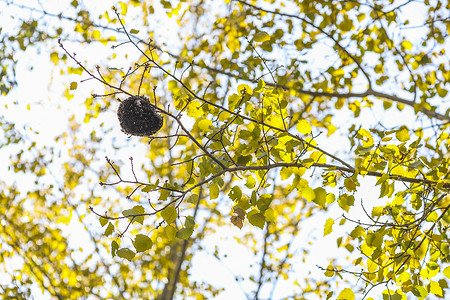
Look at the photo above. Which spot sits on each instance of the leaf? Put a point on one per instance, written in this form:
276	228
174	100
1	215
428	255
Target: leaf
109	230
402	134
137	210
125	253
169	214
213	191
185	233
237	219
350	184
303	126
142	243
204	125
190	222
114	247
420	292
447	272
257	219
73	85
134	31
264	201
328	226
435	288
407	45
320	196
346	294
235	193
308	193
261	37
96	34
171	232
103	221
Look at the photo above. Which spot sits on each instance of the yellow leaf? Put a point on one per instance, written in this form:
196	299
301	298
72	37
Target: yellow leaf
96	34
308	193
303	126
328	227
204	124
318	157
402	134
346	294
407	45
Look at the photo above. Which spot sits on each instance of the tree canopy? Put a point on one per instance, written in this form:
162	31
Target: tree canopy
274	124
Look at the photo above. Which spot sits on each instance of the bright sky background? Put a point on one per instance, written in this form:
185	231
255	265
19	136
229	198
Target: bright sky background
41	89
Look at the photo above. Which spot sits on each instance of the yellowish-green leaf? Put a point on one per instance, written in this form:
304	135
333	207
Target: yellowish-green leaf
185	233
261	36
103	221
436	289
328	227
402	134
171	232
109	230
346	294
73	85
169	214
114	247
308	193
256	219
125	253
142	243
213	191
320	196
204	125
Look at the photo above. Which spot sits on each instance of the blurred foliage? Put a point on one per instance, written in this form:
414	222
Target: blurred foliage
276	114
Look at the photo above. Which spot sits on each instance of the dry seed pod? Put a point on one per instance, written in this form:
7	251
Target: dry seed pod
137	116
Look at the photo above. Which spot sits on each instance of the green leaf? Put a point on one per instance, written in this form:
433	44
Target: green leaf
142	243
256	219
169	214
164	194
185	233
261	37
114	247
264	201
134	31
328	227
190	222
346	294
73	85
109	230
137	210
213	191
350	185
235	193
125	253
420	292
171	232
103	221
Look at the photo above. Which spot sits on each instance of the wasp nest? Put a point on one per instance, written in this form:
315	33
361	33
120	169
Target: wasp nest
137	116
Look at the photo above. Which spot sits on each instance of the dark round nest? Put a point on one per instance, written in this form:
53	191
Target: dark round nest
137	116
